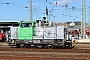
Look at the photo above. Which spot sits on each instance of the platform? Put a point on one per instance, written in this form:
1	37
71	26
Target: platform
81	41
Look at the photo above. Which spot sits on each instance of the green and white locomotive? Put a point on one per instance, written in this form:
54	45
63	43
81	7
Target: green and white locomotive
30	33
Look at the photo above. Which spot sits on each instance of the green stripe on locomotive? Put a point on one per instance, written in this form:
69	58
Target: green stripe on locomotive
26	30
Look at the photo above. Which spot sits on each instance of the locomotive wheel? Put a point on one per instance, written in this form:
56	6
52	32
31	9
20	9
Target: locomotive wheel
26	46
18	45
49	47
63	47
33	47
54	47
39	46
70	46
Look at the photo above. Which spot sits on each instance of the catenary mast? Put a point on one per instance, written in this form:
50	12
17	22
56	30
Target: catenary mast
89	18
31	10
83	23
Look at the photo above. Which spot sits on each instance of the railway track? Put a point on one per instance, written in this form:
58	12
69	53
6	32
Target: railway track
79	52
44	55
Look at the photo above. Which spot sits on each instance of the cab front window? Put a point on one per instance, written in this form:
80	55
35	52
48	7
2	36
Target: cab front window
26	25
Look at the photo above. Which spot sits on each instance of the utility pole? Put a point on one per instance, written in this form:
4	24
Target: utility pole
31	10
83	23
89	18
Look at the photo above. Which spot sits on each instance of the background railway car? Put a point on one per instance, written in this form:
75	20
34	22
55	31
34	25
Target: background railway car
2	36
40	34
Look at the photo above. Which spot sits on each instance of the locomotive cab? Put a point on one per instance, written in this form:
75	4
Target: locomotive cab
25	31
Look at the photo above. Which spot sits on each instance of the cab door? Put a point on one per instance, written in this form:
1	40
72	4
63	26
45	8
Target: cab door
25	31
